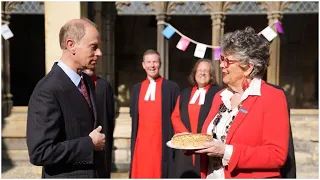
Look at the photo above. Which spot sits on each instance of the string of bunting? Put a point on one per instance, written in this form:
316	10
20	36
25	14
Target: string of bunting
201	48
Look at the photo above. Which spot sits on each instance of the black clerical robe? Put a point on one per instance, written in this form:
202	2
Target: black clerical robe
184	166
106	113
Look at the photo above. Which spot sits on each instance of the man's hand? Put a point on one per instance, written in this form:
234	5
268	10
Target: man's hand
98	139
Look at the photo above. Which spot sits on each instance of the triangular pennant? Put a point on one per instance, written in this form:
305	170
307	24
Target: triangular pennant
183	44
217	53
6	32
269	33
168	31
279	27
200	50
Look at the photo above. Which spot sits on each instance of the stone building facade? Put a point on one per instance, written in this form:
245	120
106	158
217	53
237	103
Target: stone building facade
128	29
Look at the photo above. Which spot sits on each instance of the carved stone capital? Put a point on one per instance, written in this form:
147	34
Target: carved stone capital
218	19
157	7
217	6
274	9
161	17
274	16
163	7
7	8
120	4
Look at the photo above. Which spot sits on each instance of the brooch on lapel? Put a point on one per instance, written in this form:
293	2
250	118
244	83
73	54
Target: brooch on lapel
243	110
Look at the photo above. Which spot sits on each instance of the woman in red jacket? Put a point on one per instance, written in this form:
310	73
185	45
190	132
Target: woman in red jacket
248	119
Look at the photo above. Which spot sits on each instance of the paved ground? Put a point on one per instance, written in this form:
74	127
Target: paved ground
27	171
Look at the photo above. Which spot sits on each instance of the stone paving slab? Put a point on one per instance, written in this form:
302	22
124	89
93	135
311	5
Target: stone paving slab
24	170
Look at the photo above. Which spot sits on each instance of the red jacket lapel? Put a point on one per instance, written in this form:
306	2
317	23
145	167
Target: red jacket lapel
243	111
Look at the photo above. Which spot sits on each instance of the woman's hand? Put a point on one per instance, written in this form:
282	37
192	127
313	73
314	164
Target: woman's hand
214	149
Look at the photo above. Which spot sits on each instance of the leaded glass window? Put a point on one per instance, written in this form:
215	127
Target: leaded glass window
29	7
190	8
302	7
246	7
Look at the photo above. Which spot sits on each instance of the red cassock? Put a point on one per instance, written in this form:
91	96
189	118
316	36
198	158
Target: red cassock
259	135
148	148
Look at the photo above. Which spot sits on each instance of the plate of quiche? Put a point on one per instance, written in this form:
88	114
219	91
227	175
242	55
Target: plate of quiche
189	141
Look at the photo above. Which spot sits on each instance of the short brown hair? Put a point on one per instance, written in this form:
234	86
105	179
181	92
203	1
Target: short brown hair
151	51
74	29
192	78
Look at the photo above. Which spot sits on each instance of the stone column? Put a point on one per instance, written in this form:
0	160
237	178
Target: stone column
273	72
107	62
7	102
217	31
56	14
162	45
97	8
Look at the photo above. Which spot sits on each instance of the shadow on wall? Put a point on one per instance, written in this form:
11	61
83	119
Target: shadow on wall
5	161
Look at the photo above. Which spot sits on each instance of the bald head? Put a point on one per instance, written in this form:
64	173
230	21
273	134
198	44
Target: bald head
74	29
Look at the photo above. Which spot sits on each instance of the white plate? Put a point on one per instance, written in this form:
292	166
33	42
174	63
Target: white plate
169	144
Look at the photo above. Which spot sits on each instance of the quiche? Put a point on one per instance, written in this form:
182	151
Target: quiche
190	140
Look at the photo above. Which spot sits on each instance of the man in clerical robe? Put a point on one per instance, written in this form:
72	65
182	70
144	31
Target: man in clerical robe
151	104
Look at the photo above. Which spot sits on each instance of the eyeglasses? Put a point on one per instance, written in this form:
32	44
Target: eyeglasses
226	62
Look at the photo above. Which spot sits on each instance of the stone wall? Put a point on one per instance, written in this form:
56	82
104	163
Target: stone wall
15	162
305	129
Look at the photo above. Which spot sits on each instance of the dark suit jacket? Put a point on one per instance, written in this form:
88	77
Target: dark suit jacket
58	124
105	107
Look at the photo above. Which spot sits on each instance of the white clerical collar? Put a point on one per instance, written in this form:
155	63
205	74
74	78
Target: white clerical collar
201	92
151	92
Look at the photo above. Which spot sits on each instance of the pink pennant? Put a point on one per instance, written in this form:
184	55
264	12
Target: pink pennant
279	27
183	44
217	53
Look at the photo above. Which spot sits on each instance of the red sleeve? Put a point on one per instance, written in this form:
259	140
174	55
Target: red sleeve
272	153
177	123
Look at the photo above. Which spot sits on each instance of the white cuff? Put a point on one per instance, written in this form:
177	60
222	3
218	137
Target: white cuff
227	155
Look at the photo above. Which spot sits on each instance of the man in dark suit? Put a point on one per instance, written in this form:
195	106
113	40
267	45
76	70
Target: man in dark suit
106	112
63	131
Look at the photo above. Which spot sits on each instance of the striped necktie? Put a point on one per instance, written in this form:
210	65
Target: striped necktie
85	92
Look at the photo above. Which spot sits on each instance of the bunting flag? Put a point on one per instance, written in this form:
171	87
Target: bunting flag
183	43
168	32
201	48
217	53
6	32
279	27
269	33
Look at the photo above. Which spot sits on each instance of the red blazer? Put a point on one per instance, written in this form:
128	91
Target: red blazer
259	135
